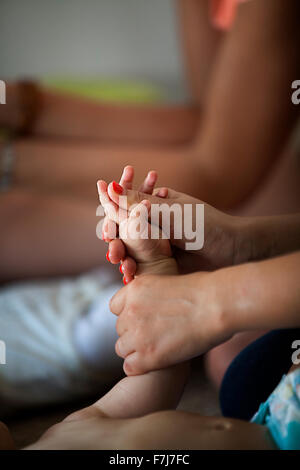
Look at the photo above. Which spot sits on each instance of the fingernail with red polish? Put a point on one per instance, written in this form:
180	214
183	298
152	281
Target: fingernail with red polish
107	256
125	281
117	188
121	268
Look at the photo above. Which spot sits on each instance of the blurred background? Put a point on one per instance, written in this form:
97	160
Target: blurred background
208	107
132	39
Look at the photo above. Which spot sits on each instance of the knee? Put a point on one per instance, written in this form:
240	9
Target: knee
219	359
6	441
216	364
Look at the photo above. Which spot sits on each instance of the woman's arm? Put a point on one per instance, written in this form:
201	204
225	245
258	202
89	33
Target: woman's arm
63	116
248	114
196	312
228	240
73	167
246	120
263	295
42	235
200	42
258	238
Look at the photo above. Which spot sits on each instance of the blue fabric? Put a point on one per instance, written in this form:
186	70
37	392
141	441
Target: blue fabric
255	372
281	412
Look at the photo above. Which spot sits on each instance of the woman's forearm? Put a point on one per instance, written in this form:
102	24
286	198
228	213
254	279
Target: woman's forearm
257	238
67	116
248	113
63	116
262	295
76	166
42	235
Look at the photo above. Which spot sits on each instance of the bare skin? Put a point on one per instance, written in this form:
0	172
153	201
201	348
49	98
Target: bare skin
229	240
99	426
216	165
6	440
33	226
158	390
68	117
225	132
195	312
31	219
200	299
91	429
61	170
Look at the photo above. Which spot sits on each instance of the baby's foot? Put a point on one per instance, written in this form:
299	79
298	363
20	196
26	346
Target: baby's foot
138	255
152	255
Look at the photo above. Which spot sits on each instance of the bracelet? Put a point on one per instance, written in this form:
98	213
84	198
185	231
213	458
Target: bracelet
7	163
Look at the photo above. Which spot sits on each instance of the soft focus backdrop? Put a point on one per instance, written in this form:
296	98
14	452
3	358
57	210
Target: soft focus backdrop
109	38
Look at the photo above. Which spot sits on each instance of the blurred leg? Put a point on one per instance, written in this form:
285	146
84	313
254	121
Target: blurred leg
219	359
74	168
65	116
200	41
279	195
44	235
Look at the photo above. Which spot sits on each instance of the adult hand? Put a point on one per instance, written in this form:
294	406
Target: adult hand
223	237
164	320
117	251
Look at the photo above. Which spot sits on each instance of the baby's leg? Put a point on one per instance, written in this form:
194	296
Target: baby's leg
143	394
136	395
157	390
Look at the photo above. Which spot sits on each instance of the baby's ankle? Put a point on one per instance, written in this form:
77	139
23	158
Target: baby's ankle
164	266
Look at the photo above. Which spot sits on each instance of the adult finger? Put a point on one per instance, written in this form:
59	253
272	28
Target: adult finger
124	345
116	251
118	301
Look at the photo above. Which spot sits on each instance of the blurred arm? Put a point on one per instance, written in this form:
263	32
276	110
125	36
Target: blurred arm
64	116
248	114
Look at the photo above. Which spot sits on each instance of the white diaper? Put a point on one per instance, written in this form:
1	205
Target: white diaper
37	323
